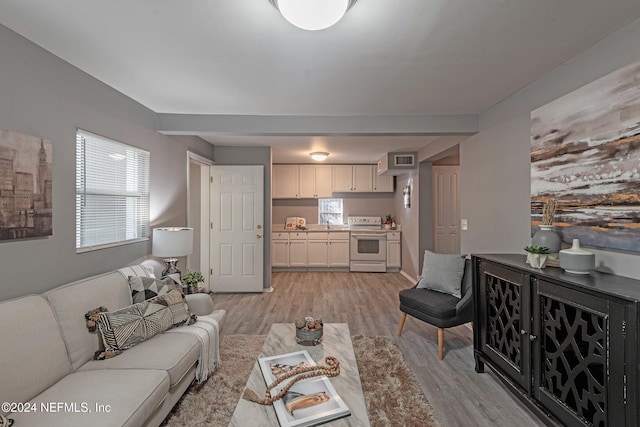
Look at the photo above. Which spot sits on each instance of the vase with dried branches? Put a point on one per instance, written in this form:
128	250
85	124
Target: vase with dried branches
549	211
546	236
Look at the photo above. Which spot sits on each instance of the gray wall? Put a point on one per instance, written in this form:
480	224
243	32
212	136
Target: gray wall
426	211
410	219
495	163
44	96
225	155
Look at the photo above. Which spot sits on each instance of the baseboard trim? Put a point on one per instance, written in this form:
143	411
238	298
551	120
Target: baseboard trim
267	290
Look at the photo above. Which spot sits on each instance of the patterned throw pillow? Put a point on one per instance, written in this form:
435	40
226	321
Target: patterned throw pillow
179	308
124	328
144	288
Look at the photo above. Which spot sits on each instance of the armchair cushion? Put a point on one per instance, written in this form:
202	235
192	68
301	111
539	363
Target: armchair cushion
437	304
442	273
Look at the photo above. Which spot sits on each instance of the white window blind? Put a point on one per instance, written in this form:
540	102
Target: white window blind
112	192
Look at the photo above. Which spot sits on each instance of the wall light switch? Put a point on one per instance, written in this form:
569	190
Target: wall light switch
464	224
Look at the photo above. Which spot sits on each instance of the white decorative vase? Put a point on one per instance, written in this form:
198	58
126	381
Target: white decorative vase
577	260
537	260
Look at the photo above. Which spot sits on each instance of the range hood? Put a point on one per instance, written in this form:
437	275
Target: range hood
397	163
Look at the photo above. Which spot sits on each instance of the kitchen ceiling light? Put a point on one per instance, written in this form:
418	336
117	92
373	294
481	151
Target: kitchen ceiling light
319	155
313	14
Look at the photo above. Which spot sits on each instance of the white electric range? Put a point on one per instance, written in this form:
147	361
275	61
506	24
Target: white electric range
368	245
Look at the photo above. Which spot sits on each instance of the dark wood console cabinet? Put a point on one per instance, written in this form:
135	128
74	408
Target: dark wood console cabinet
565	344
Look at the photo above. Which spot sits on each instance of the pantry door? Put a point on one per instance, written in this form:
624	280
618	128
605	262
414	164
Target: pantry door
237	228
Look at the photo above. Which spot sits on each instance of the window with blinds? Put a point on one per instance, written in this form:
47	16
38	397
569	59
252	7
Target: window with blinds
112	192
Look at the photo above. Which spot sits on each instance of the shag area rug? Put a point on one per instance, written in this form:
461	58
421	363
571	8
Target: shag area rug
392	395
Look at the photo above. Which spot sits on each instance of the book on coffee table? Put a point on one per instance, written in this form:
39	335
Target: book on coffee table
308	402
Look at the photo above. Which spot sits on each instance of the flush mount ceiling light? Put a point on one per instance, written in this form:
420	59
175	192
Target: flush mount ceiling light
313	14
319	155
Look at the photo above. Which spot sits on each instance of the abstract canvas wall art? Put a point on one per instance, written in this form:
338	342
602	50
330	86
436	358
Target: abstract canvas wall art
25	186
585	152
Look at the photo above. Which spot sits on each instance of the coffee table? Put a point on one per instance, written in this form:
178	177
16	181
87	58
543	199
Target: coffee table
335	342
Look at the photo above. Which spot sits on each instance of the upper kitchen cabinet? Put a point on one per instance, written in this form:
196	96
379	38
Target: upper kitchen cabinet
285	182
301	181
321	181
353	178
382	183
315	181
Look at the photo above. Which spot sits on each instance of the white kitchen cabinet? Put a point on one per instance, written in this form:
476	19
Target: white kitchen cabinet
298	249
363	178
338	253
323	181
314	181
285	182
394	259
342	177
317	249
280	249
310	249
301	181
352	178
382	183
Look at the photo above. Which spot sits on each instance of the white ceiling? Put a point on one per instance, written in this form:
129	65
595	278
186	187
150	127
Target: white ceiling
385	58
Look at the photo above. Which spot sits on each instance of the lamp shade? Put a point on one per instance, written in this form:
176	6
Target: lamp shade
172	241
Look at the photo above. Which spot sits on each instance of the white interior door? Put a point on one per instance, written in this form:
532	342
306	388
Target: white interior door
237	229
446	209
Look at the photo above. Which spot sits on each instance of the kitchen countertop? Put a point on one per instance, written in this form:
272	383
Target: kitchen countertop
277	228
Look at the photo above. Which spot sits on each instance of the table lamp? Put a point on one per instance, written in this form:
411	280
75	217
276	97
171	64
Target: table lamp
171	243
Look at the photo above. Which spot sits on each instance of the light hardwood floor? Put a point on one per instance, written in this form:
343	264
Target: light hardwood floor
368	302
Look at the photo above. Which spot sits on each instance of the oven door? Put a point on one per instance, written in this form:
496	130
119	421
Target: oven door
368	246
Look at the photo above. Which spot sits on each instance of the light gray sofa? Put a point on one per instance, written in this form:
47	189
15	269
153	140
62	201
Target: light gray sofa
46	357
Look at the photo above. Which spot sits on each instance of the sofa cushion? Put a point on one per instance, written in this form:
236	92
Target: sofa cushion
174	353
442	273
132	395
72	301
32	352
437	304
144	288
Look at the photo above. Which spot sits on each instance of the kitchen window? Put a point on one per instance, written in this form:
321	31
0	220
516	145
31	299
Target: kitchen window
112	193
330	211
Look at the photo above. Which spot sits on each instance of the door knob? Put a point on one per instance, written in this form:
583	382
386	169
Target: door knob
532	338
259	236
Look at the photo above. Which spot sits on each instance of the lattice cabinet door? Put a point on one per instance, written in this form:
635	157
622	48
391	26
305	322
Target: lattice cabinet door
579	356
504	321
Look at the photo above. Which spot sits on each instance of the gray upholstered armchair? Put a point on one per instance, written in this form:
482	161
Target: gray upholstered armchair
437	308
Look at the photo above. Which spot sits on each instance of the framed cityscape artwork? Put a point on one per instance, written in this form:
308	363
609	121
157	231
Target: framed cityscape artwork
585	153
25	186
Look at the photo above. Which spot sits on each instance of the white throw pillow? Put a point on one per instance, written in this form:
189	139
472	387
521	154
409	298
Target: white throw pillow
442	273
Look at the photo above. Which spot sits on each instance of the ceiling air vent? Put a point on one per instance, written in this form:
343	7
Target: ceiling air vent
397	163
